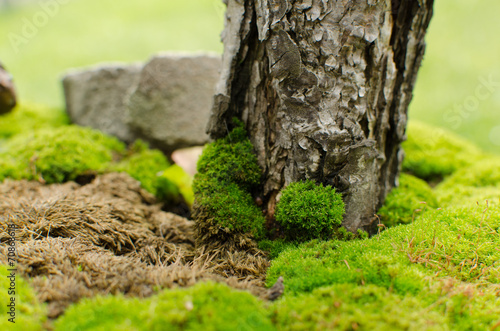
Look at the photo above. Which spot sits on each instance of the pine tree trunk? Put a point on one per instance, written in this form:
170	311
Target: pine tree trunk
323	88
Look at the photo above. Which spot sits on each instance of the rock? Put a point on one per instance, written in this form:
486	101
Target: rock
7	92
172	102
97	97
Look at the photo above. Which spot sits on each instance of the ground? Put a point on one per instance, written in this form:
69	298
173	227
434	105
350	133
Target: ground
94	241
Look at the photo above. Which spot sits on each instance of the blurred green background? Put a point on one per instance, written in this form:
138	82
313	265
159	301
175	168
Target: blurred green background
463	51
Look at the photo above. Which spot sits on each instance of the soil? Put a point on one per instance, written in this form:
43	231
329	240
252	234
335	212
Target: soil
110	236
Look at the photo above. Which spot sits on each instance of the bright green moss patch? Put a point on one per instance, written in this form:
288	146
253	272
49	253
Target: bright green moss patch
229	206
460	195
433	153
462	243
30	314
146	166
58	155
480	174
227	171
205	306
26	118
307	211
61	154
441	305
231	160
476	183
353	307
405	202
182	180
316	264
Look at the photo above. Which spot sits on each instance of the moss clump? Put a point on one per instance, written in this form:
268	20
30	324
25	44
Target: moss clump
26	118
306	211
205	306
146	166
227	171
433	153
182	180
58	155
402	202
231	160
30	313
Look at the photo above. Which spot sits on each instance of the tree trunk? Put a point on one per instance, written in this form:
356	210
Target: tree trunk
323	88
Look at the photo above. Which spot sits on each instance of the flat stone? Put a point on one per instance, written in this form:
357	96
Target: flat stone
97	97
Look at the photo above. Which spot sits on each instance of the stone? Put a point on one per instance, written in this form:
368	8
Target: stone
97	97
171	105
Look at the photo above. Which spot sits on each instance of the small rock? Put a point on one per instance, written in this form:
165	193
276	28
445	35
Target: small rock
96	97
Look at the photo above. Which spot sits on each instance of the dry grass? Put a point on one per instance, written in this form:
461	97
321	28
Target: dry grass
110	237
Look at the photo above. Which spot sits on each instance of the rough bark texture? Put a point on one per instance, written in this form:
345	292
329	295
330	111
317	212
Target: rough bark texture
323	88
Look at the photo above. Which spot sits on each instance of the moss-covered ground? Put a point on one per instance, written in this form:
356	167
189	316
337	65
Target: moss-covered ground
435	265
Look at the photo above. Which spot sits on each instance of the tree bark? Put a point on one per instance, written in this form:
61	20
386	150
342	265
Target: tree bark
323	88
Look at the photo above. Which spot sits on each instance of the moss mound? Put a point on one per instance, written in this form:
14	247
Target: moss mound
66	153
223	206
58	155
403	203
307	211
146	166
433	153
205	306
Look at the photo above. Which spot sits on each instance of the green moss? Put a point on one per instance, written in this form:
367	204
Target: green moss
227	171
231	159
205	306
275	247
444	241
26	118
146	166
433	153
182	180
352	307
30	314
306	211
227	205
476	183
58	155
443	305
481	174
316	264
404	202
